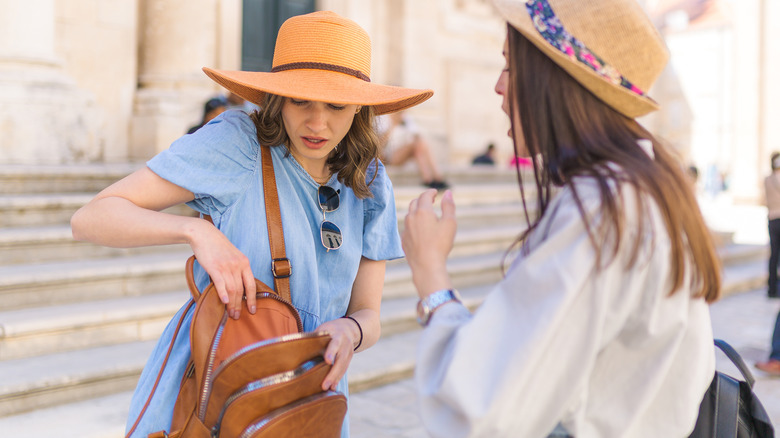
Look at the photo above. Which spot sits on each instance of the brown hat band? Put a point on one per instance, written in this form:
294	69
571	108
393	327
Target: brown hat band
321	66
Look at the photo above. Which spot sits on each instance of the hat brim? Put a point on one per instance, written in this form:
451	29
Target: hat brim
620	98
318	85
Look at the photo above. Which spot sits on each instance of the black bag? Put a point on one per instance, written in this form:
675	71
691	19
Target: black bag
730	409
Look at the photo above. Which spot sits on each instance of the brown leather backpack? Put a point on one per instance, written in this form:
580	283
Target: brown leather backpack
260	375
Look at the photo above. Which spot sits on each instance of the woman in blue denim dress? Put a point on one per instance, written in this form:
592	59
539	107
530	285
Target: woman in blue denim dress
317	110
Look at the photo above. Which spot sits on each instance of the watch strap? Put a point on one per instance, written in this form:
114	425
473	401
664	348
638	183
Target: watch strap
429	304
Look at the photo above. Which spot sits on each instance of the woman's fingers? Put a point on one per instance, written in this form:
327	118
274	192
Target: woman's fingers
236	295
338	354
447	206
339	351
425	201
250	290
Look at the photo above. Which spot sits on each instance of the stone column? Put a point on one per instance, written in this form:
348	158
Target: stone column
178	38
44	117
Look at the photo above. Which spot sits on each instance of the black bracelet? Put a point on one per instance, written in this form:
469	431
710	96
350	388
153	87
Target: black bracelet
359	328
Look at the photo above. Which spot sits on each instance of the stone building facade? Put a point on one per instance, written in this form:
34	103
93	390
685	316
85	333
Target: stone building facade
117	80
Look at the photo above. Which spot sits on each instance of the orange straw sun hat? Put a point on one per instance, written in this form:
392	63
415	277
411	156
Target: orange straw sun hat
609	46
322	57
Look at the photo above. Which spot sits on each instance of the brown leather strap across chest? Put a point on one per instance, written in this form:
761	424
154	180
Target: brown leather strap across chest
281	267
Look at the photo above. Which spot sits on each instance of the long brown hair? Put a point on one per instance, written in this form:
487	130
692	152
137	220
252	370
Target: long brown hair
351	160
570	133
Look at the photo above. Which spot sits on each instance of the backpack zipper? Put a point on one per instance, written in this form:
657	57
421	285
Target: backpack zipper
210	368
207	379
266	382
267	419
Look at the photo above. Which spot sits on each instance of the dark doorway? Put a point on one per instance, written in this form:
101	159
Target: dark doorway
260	24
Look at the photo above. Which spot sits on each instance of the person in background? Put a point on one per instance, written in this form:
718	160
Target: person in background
487	157
772	197
601	325
234	101
402	141
212	108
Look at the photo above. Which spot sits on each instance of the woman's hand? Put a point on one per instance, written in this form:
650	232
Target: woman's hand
427	241
345	336
228	268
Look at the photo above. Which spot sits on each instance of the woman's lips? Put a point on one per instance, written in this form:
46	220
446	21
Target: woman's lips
314	142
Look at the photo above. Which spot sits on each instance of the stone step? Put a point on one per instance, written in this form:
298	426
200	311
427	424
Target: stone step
70	178
408	175
31	285
468	194
735	253
465	272
159	269
98	417
51	243
53	379
27	383
104	319
50	209
73	178
42	209
29	331
37	331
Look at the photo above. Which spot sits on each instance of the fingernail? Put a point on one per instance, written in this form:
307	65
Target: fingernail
253	309
325	385
329	358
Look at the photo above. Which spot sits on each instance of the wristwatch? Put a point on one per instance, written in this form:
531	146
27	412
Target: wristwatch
429	304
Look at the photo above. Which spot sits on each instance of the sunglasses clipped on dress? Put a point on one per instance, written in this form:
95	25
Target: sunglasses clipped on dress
330	234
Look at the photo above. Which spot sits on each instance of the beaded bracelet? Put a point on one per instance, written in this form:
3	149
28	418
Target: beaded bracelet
359	328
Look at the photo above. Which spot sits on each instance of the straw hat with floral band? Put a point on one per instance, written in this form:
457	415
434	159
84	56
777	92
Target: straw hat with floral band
609	46
322	57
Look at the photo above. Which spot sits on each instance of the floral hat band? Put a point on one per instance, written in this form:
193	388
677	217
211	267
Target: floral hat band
600	43
551	29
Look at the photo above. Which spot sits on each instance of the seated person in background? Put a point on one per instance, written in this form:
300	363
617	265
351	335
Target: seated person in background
486	158
212	108
234	101
400	140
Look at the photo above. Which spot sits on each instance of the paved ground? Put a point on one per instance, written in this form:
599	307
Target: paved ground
745	321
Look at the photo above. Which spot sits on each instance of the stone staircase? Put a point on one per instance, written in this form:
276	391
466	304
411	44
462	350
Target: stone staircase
77	321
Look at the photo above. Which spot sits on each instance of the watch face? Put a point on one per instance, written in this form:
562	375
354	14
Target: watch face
429	304
422	313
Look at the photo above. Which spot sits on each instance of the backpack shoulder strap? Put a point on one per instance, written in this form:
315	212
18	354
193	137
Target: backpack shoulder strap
162	368
735	358
280	264
281	267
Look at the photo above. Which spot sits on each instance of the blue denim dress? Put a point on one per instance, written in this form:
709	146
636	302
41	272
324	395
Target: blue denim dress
220	164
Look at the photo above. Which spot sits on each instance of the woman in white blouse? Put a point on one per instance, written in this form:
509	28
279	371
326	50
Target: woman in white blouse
601	325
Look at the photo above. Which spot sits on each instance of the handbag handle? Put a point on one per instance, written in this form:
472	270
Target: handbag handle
281	267
732	354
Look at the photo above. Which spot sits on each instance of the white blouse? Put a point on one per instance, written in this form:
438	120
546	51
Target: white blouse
606	353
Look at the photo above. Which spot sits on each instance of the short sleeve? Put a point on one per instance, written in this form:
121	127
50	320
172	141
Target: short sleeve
380	222
216	163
